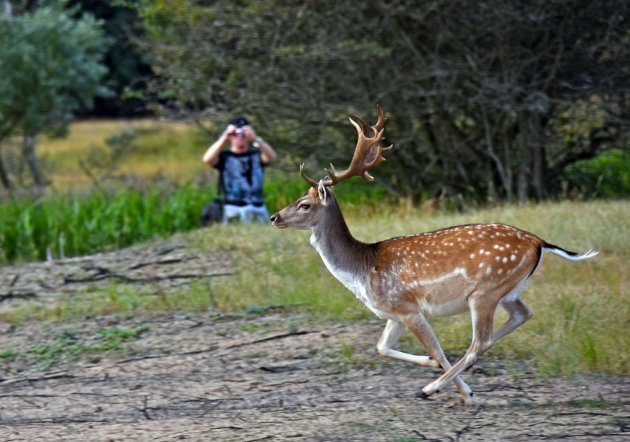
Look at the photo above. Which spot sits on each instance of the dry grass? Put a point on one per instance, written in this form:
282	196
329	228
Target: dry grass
169	149
581	309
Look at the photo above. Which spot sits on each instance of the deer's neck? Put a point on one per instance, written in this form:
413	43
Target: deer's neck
345	257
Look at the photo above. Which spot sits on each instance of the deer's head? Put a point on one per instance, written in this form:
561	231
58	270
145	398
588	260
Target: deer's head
315	206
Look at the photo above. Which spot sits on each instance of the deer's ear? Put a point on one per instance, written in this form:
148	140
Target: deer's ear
322	192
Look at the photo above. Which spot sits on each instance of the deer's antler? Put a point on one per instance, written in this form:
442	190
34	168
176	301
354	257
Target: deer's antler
368	153
311	182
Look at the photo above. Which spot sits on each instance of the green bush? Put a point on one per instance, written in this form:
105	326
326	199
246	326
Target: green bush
607	175
69	224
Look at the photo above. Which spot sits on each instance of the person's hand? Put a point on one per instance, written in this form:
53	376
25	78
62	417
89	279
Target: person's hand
250	134
229	130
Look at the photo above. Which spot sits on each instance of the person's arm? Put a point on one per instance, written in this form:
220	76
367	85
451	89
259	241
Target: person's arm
211	157
267	154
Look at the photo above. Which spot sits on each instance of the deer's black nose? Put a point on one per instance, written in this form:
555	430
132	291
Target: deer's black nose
273	217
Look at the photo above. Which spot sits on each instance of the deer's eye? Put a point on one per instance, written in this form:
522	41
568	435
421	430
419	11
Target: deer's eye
304	206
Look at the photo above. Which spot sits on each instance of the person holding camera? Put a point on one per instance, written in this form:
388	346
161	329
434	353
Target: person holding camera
241	171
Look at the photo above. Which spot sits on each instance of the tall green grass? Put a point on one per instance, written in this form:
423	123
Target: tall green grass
69	224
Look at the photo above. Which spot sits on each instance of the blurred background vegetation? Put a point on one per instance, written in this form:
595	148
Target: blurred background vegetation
107	106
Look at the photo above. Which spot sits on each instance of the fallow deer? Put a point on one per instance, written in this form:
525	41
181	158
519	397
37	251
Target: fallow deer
407	280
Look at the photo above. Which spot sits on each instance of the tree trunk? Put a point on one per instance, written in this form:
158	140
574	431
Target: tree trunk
524	169
538	169
538	158
31	160
4	175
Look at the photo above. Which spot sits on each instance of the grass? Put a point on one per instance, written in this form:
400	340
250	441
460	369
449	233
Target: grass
129	204
69	225
581	309
171	150
69	345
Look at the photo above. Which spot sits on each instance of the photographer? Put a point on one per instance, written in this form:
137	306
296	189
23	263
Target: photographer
241	171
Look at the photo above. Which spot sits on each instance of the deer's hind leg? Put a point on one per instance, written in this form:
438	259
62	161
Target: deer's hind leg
519	314
421	328
482	321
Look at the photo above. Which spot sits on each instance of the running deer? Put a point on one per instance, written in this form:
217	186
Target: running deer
407	280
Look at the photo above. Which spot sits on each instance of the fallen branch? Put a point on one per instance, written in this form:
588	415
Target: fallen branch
125	278
161	262
166	355
213	348
39	379
271	338
16	295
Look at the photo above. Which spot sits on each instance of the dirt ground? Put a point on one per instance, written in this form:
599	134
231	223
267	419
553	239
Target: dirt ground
279	375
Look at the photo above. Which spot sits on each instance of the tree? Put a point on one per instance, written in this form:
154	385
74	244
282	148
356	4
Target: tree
50	66
127	72
490	99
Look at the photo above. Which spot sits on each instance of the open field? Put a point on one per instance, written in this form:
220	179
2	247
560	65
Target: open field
239	333
581	310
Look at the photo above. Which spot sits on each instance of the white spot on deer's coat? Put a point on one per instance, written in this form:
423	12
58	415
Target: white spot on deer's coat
488	270
513	258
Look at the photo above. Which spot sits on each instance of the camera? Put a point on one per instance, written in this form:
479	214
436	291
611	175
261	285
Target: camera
238	132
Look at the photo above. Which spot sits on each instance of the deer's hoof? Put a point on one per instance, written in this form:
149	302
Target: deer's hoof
424	396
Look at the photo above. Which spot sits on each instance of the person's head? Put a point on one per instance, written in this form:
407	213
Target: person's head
239	134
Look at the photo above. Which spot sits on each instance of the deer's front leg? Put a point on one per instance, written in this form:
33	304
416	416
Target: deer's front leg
391	334
420	327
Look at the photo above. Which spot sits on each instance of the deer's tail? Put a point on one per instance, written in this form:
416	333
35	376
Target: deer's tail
566	254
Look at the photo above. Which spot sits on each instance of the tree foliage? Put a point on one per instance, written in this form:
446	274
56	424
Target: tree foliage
127	71
50	66
490	99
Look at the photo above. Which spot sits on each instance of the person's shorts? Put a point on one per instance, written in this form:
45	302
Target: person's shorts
245	214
